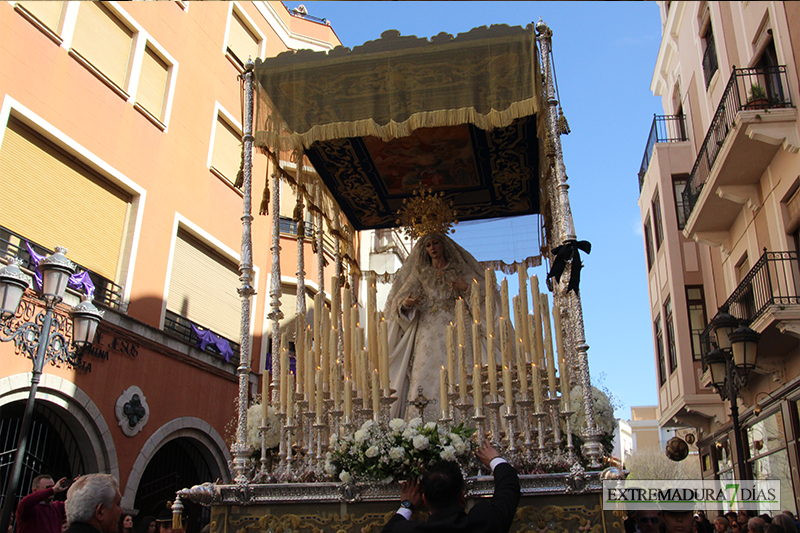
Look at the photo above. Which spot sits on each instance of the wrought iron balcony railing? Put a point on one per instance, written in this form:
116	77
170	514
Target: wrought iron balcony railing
773	280
743	92
665	129
182	328
106	292
287	226
710	63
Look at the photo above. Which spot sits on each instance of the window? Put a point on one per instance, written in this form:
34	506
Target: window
46	14
226	147
36	173
657	224
203	286
662	367
670	326
768	457
679	183
710	64
103	41
244	39
153	78
697	317
648	244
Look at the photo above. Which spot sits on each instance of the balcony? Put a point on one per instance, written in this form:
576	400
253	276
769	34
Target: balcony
665	129
770	288
181	327
755	118
106	292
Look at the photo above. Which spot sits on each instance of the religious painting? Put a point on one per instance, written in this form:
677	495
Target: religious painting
434	158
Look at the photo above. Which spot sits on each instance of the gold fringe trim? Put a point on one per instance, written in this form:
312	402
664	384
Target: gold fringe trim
511	268
394	130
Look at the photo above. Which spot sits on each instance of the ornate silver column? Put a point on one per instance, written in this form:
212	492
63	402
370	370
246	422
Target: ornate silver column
275	289
246	291
563	231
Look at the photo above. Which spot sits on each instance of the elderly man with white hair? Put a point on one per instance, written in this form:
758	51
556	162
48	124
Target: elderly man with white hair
93	504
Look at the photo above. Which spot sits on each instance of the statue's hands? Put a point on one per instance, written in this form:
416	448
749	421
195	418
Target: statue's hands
410	301
459	284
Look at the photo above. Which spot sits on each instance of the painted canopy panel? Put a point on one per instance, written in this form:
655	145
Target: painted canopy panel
457	115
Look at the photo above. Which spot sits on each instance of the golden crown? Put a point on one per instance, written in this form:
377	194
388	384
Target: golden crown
426	212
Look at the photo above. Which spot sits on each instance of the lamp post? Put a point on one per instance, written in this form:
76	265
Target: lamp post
42	345
729	363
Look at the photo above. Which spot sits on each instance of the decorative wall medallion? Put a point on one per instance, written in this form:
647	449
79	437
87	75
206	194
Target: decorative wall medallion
132	411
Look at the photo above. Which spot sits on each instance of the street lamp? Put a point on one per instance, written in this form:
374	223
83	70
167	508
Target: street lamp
42	345
729	363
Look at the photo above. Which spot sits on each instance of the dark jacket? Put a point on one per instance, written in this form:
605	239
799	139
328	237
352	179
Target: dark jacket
79	527
487	516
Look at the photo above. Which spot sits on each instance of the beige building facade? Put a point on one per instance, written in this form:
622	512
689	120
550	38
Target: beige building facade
120	131
720	209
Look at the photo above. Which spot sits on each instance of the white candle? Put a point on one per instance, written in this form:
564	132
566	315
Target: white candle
376	405
490	284
451	358
504	298
548	346
443	392
507	390
347	335
462	374
319	394
525	334
348	398
384	366
460	317
477	389
536	334
492	368
299	350
290	403
475	302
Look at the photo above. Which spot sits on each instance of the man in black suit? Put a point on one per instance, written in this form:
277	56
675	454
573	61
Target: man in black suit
442	490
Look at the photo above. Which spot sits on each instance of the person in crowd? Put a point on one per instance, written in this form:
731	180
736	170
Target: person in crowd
93	504
756	525
442	491
647	521
126	525
38	512
147	524
704	526
676	521
786	521
721	525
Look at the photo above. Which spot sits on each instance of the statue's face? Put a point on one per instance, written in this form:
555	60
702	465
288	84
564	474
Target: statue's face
435	249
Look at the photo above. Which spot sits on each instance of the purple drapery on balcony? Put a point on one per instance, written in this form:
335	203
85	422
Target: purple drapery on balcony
204	338
80	281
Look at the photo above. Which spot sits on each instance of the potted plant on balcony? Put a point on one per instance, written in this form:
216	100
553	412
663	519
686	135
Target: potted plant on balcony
758	97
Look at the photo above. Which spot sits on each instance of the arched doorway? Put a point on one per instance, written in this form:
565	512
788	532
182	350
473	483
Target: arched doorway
180	463
52	447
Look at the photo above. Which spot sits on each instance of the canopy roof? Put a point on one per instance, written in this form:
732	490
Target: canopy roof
453	114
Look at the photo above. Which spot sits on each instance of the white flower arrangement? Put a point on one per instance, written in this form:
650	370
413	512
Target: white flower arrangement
603	411
398	450
273	433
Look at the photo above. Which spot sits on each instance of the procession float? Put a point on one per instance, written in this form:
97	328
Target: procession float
414	132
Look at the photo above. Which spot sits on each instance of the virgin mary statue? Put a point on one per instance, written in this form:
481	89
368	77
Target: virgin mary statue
421	304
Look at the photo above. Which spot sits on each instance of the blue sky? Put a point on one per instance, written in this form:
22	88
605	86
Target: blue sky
604	53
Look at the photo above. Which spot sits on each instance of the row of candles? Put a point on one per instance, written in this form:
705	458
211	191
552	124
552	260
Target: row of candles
529	344
327	380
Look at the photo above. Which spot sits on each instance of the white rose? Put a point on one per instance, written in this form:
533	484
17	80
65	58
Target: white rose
372	451
334	440
397	425
367	425
396	453
345	477
430	425
421	442
361	435
415	422
410	433
448	453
